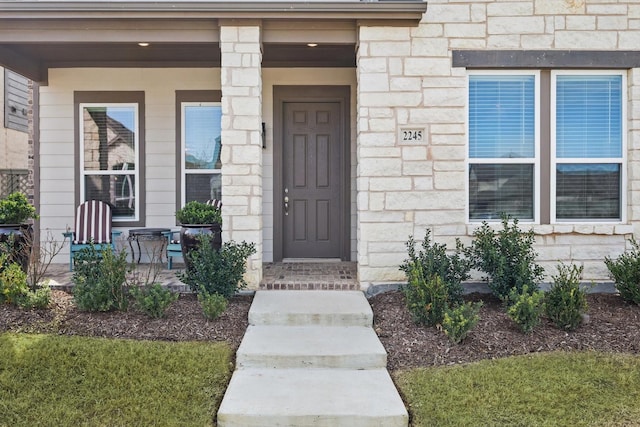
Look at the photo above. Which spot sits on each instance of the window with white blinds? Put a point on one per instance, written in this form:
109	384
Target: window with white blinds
589	144
501	116
502	146
583	145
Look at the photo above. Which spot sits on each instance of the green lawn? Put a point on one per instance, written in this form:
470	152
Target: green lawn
546	389
50	380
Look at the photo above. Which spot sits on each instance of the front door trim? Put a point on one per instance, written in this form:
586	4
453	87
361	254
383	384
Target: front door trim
282	95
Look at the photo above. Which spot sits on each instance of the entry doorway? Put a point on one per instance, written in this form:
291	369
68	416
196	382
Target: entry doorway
311	172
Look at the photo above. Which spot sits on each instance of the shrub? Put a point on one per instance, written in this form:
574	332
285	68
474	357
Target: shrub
14	288
425	299
525	308
196	212
153	299
16	209
433	260
99	280
625	272
507	256
218	272
458	321
213	305
39	299
13	281
565	302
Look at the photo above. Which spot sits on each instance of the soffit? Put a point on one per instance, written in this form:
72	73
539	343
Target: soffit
68	55
38	35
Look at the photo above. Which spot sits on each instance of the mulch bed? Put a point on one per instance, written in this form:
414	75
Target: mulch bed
612	325
183	321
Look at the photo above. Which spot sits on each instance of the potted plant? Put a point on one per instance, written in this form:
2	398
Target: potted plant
197	219
16	232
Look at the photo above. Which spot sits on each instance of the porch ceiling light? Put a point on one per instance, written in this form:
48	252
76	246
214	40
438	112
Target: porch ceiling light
312	44
143	44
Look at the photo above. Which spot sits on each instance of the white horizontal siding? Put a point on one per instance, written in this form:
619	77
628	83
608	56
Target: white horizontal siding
57	183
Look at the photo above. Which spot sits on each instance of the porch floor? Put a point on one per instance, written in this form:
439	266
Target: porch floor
296	275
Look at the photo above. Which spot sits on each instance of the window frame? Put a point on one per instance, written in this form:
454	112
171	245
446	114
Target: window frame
622	160
183	170
535	161
545	127
114	99
16	101
190	97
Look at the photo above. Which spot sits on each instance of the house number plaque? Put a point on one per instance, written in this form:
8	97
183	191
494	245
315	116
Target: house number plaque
409	136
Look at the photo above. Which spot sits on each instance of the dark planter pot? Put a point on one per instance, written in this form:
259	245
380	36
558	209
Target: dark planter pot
189	238
17	241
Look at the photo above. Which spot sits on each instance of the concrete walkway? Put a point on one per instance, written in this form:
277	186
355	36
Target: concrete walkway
311	358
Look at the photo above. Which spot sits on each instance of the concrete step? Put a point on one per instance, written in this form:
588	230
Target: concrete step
312	397
299	308
343	347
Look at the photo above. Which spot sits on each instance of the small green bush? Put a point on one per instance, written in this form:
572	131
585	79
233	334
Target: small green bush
565	302
434	279
432	260
16	209
13	281
38	299
458	321
507	256
14	288
218	272
213	305
153	300
425	299
526	308
625	272
99	280
196	212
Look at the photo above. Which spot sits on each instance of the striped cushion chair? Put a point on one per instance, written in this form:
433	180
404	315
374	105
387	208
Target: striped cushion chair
215	203
92	225
173	237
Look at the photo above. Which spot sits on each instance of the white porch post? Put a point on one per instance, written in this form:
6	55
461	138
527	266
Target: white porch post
241	156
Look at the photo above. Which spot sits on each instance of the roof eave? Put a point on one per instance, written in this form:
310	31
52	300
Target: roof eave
396	10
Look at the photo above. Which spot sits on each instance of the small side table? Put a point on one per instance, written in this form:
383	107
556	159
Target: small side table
146	234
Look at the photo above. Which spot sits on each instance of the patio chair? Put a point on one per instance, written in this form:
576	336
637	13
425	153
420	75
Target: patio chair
92	226
173	238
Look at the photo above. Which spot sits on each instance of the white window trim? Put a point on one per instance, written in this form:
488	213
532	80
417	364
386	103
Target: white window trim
535	161
622	161
183	170
84	172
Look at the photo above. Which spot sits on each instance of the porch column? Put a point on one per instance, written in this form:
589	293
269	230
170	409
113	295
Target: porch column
241	75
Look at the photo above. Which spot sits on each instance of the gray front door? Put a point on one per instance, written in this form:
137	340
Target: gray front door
312	180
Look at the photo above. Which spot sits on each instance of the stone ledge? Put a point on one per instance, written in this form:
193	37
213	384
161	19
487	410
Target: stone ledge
600	287
561	228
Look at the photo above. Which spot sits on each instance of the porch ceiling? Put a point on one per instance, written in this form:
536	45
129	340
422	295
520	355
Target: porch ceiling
67	55
38	35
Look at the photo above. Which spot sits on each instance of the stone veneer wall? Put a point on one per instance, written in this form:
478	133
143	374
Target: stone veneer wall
241	153
406	79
